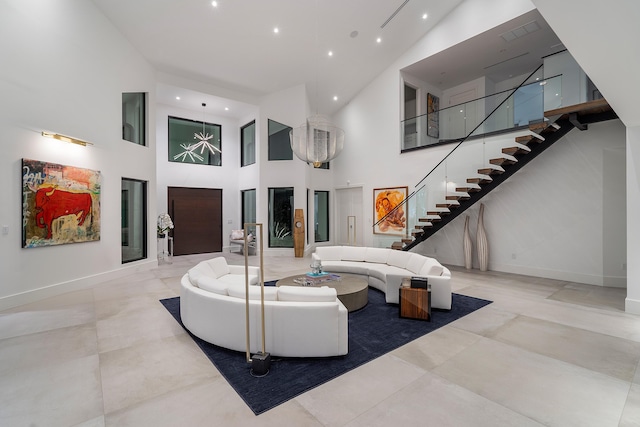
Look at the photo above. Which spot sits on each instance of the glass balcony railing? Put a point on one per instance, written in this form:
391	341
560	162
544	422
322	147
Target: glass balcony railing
499	112
503	116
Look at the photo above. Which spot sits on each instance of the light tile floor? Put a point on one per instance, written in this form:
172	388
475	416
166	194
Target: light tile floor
546	352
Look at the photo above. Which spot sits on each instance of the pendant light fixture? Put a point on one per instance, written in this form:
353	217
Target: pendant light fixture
317	141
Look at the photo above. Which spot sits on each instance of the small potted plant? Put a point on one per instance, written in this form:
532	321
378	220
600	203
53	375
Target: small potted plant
164	225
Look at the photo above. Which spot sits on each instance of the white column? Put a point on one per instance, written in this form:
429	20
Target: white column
632	303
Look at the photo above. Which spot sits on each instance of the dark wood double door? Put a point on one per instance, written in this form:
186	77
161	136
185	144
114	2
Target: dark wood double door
197	219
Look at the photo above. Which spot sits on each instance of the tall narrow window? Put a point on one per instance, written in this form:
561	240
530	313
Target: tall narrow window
279	143
280	217
134	118
248	207
194	142
134	220
248	144
321	216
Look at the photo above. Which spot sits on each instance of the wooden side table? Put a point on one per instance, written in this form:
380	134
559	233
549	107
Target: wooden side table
415	303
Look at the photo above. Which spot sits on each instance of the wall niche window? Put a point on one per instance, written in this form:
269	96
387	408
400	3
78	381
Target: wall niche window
321	216
280	217
279	143
248	144
133	220
192	142
134	118
248	207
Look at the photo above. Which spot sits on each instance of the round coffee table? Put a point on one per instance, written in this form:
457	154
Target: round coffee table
352	289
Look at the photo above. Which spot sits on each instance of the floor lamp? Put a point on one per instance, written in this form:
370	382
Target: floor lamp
261	361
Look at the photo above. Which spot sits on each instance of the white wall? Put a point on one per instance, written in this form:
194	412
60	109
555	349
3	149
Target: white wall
225	177
372	119
64	68
555	217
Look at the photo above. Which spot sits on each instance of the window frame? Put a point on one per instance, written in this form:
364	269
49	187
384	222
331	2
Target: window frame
243	144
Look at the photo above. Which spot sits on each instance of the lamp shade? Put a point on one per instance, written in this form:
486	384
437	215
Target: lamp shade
317	141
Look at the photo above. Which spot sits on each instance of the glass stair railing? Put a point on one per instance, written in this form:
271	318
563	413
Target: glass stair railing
480	155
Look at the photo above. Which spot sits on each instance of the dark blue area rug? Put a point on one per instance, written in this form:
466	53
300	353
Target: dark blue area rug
373	331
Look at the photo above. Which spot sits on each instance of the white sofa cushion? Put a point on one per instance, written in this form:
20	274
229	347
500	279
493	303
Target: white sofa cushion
355	267
211	284
353	253
199	270
270	292
329	253
379	255
218	266
431	267
307	293
380	271
416	261
398	258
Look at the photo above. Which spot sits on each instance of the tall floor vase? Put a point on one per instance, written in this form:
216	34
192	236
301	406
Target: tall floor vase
466	244
482	245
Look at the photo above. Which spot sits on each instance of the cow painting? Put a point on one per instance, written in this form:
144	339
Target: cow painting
52	203
60	204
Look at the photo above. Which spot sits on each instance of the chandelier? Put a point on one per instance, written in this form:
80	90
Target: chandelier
317	141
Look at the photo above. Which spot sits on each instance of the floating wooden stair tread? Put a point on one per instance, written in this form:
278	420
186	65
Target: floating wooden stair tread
471	188
491	170
423	226
430	218
590	107
397	245
453	197
407	240
459	195
482	179
504	160
537	126
438	213
516	149
449	205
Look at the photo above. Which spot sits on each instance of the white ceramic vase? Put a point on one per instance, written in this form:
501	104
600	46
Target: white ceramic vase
482	245
466	245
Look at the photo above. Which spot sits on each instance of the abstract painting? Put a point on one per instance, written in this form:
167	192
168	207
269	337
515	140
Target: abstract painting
385	200
433	115
60	204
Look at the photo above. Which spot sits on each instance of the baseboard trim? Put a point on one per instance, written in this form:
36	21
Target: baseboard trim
632	306
34	295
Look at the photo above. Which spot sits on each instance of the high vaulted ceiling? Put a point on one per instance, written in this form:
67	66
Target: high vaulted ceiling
233	46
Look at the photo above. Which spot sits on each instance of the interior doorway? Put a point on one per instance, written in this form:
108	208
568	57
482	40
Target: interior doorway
197	219
349	216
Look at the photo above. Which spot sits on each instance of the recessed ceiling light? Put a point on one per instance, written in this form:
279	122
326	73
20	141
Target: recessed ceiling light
214	3
378	40
226	108
425	16
276	30
335	97
178	98
330	53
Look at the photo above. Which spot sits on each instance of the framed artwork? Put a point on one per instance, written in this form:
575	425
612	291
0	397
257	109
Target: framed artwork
433	116
60	204
384	202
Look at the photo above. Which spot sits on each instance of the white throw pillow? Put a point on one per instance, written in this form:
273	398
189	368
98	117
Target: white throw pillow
237	234
377	255
218	266
306	293
353	253
329	253
211	284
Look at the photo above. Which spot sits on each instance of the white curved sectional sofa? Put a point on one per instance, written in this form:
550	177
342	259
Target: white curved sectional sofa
299	321
385	269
